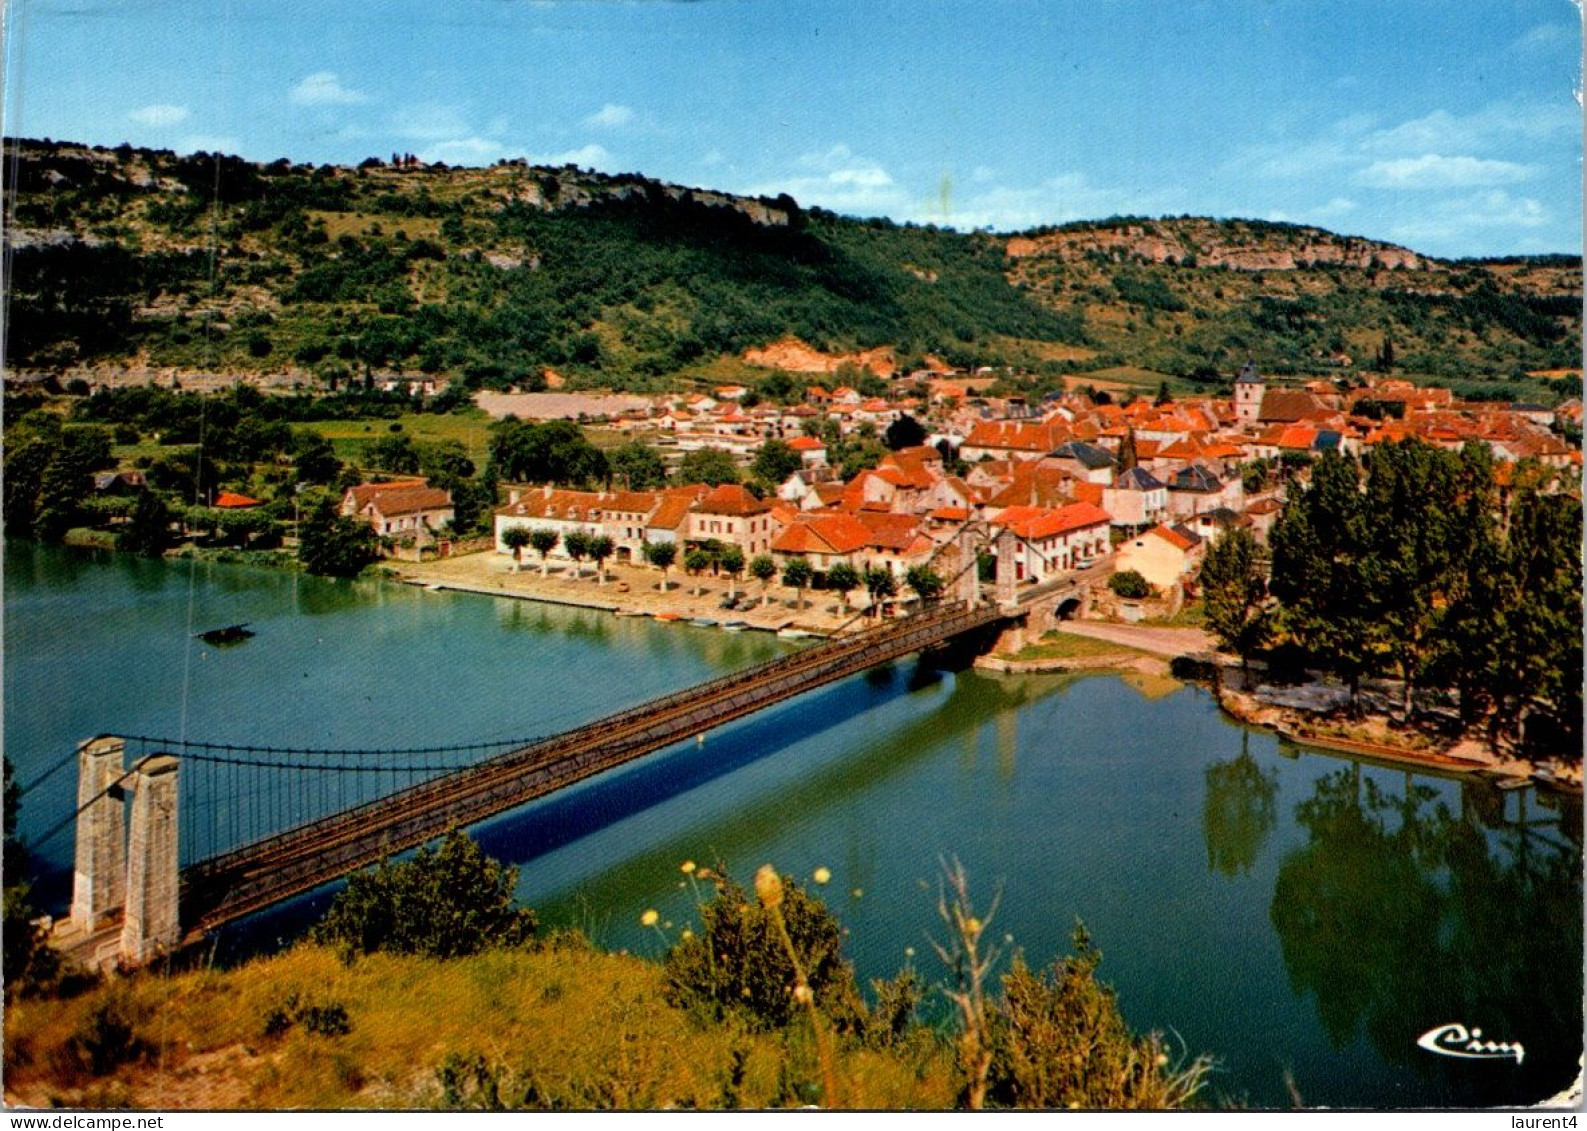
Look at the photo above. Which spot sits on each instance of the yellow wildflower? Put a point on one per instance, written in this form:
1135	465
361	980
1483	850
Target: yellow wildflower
650	918
822	875
768	886
686	867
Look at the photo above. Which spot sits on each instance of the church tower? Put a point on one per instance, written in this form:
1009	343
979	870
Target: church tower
1248	390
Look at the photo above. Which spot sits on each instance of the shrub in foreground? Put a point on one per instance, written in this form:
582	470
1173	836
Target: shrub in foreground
442	903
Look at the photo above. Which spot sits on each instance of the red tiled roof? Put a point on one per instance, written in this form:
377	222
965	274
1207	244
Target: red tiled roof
1032	523
822	534
411	501
807	444
1089	493
1171	536
227	499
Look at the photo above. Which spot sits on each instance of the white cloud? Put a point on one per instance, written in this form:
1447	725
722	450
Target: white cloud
324	88
841	180
610	116
471	150
159	114
1338	206
1433	171
431	122
1542	37
1499	123
1070	196
1471	220
593	156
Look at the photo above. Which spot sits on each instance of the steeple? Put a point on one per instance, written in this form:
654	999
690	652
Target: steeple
1127	457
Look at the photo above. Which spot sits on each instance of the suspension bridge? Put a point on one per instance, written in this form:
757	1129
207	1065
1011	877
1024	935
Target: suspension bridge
261	825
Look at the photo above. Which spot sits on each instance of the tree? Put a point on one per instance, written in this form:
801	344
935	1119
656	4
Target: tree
313	457
797	573
1130	584
763	569
1319	571
881	585
336	545
710	466
844	578
638	466
1233	585
696	562
732	562
395	454
515	538
554	452
1253	476
149	531
544	540
443	903
905	432
600	547
925	581
774	463
1413	545
1164	397
661	555
577	544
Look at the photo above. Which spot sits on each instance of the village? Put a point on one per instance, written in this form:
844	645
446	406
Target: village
1083	483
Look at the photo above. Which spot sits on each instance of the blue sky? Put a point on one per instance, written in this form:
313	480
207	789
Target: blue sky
1451	127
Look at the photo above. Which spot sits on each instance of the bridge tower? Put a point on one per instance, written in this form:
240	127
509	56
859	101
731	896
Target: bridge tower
151	924
99	877
968	586
134	875
1007	548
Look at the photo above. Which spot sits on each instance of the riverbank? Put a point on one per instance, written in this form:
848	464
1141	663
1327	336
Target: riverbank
1314	714
629	590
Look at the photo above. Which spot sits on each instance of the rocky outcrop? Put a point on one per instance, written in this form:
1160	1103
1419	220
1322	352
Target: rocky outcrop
1231	244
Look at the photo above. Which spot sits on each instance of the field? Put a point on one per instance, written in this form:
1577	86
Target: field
471	429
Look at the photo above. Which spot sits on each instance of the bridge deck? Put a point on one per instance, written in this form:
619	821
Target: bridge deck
252	878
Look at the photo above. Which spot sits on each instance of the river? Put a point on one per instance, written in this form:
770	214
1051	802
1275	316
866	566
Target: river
1303	917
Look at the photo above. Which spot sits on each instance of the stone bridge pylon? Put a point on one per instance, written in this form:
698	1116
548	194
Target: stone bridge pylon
122	873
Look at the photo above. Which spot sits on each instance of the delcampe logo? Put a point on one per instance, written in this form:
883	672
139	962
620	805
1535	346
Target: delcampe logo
1455	1039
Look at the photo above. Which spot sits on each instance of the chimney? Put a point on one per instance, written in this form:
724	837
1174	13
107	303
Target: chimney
546	490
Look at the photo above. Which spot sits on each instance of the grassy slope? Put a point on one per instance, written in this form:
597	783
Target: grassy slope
463	272
582	1029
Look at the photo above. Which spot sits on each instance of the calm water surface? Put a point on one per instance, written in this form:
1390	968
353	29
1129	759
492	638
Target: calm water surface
1305	918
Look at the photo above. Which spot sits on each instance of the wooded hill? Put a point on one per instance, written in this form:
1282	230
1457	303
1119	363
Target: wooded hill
209	262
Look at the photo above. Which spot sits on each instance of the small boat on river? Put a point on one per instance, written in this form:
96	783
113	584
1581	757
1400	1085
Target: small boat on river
231	634
735	626
703	622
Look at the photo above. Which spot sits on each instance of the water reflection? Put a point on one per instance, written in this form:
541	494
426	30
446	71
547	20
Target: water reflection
1240	812
1397	916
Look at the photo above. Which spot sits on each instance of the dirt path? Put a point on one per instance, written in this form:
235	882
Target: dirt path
1159	641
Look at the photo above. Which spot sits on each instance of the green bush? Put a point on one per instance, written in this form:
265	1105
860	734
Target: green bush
1130	584
1060	1041
442	903
739	962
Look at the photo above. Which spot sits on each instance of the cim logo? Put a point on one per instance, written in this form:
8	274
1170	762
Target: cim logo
1455	1040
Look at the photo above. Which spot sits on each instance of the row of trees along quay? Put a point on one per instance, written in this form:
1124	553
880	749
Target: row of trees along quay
797	573
1421	565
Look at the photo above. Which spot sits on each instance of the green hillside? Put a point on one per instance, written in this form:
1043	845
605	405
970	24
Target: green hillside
494	275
